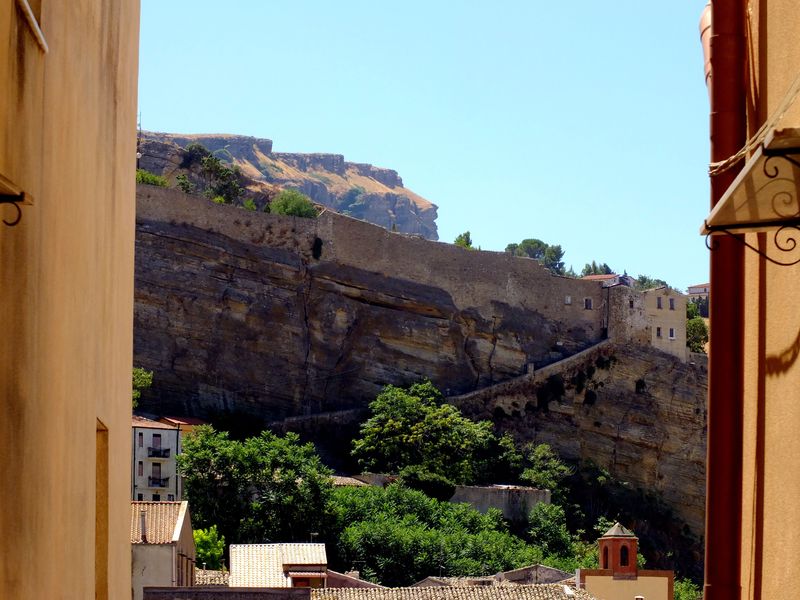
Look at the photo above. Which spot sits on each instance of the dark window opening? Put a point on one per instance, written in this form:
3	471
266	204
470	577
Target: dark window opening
605	558
623	556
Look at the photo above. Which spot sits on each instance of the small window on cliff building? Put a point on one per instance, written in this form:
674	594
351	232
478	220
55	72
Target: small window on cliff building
671	333
658	332
568	300
623	556
672	303
587	303
630	303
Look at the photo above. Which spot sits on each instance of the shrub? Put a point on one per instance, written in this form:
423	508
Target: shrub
209	545
184	185
292	203
149	178
219	200
249	204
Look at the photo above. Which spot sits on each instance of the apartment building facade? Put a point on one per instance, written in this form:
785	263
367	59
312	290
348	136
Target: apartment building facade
154	470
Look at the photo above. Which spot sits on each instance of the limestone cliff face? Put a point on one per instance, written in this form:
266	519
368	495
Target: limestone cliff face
363	191
302	321
282	316
630	409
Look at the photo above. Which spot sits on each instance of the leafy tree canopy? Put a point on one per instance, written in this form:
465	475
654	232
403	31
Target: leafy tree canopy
644	282
464	240
696	334
544	469
596	269
550	256
398	536
265	488
209	546
142	379
292	203
414	428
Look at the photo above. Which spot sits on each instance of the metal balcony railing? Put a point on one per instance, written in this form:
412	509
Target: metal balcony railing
158	481
157	452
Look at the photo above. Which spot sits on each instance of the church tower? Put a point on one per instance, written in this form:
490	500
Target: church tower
618	548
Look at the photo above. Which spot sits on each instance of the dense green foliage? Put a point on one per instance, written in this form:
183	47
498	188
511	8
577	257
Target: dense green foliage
644	282
550	256
696	334
142	379
292	203
265	488
209	547
464	240
545	470
596	269
685	589
249	204
414	428
149	178
183	184
398	536
221	180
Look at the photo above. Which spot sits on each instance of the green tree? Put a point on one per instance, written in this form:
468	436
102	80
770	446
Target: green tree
263	488
686	589
596	269
249	204
544	469
692	310
413	427
464	240
149	178
696	334
292	203
209	547
548	529
644	282
184	185
222	180
399	536
142	379
549	255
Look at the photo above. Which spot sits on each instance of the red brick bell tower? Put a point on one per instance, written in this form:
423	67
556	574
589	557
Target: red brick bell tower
618	548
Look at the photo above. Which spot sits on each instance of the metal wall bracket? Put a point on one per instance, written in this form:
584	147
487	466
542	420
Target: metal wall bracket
784	238
15	200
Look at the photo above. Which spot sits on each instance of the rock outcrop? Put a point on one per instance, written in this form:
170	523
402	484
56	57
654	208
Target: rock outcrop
301	322
358	190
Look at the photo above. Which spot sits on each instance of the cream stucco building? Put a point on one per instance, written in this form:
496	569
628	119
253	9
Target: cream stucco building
666	312
154	472
68	78
163	552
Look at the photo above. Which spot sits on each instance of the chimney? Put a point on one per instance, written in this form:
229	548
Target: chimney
143	525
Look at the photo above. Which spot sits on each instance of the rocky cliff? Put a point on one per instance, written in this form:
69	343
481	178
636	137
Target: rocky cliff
302	321
358	190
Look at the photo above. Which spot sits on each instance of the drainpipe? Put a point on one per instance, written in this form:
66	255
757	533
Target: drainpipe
726	352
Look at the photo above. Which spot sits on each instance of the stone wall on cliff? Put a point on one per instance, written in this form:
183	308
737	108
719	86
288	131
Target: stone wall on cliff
284	316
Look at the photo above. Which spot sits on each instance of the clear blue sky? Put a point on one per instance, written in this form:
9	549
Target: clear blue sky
580	123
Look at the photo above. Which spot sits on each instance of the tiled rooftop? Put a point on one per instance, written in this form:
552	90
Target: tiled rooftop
343	481
138	421
268	565
162	521
548	591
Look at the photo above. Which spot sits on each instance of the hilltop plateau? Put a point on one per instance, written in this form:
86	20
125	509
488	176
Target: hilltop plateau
359	190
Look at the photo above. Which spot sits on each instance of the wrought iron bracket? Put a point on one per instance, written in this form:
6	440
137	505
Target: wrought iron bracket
784	238
15	200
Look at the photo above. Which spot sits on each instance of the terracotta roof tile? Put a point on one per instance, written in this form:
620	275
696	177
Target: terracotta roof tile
546	591
267	565
138	421
162	521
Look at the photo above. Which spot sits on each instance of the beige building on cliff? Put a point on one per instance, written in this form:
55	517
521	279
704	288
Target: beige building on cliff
154	469
666	311
68	75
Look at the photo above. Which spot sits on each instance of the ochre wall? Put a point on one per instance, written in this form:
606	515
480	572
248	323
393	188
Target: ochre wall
67	137
771	484
652	587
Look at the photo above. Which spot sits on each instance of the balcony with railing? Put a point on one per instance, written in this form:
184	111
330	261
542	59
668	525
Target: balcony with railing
158	482
157	452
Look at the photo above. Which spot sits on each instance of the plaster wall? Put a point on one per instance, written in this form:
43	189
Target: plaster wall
143	484
66	288
514	502
771	515
151	565
666	312
651	587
